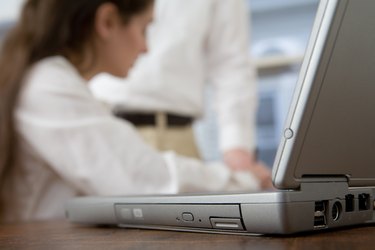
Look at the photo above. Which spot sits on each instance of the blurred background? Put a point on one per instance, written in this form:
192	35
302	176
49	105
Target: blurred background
9	11
279	34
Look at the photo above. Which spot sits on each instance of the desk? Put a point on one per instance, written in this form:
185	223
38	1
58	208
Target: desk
63	235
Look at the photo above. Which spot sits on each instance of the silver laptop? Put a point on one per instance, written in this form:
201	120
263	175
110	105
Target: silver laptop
324	170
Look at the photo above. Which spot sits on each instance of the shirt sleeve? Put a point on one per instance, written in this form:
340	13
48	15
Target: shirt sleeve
232	75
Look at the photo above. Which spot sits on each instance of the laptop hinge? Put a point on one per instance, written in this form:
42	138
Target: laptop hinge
315	183
324	178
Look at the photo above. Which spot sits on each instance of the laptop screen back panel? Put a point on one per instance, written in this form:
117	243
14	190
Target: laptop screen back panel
332	126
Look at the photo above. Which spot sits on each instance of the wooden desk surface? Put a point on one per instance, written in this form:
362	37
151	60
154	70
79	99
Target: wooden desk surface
63	235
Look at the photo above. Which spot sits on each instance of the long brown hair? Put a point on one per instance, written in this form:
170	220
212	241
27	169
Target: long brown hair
45	28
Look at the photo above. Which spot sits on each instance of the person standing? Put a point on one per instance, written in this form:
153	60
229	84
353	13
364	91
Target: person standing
192	43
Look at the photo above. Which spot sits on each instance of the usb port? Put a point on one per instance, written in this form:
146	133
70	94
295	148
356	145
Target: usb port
319	214
319	206
364	202
319	221
349	203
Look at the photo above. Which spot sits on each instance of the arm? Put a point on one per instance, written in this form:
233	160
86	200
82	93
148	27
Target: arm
98	154
92	151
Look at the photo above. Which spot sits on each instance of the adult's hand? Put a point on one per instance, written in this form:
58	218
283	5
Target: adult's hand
242	160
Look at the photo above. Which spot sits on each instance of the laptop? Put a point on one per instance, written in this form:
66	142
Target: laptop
324	171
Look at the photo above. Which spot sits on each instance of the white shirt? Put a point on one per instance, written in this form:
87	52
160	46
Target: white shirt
192	43
69	145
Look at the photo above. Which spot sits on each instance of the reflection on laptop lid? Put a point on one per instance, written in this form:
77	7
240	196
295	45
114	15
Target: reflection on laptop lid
324	166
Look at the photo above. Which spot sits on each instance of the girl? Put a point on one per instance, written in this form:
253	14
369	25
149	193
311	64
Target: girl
57	141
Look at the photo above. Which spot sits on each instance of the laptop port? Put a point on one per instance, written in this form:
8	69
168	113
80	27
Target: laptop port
320	221
364	202
349	203
319	206
336	211
319	214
